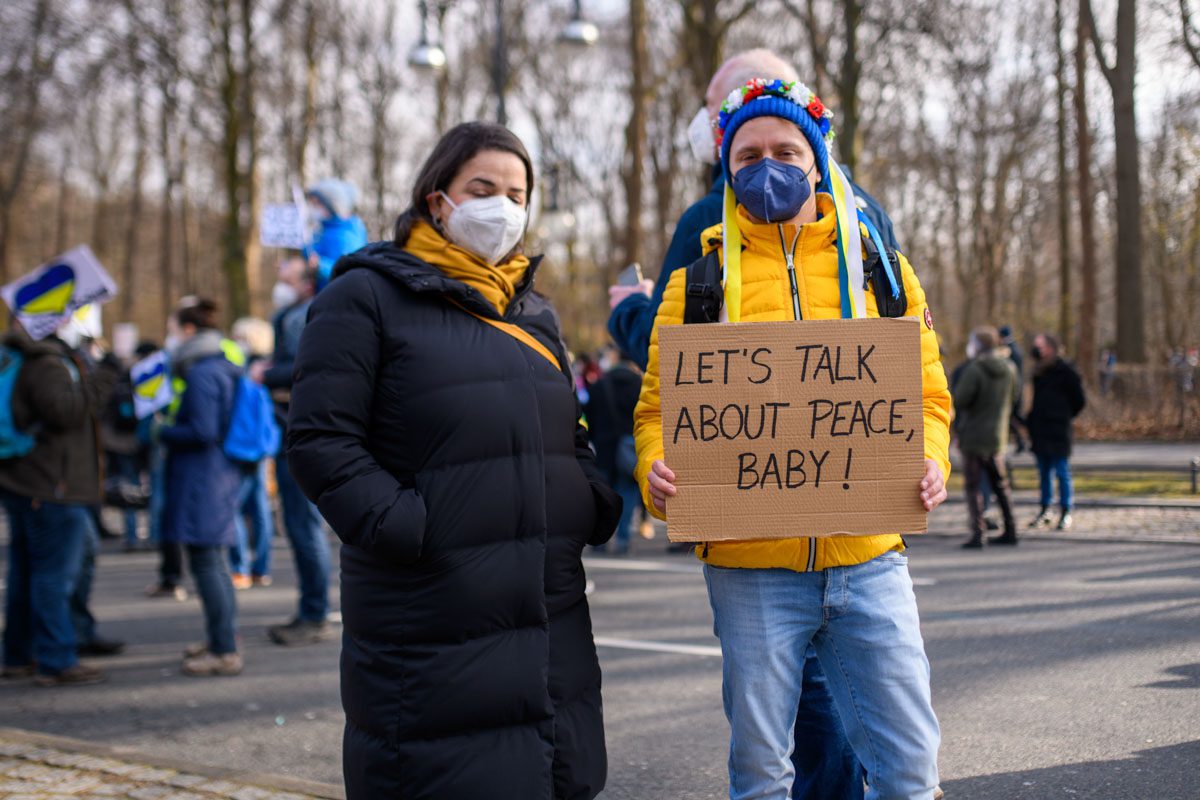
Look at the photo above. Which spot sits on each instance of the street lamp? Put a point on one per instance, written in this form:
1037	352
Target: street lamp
426	56
579	31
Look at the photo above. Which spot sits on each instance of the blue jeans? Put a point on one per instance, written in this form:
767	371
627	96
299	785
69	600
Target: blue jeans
309	545
45	554
826	766
253	503
81	615
862	620
216	595
158	490
1060	467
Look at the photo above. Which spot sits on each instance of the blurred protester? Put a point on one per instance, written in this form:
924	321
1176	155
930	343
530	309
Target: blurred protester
983	402
610	428
434	422
1108	369
1058	398
125	457
1008	340
202	483
50	473
292	295
985	488
338	231
251	553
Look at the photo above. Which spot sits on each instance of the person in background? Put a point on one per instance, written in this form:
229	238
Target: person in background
251	560
48	484
983	402
338	231
1007	339
1058	398
609	414
292	295
202	483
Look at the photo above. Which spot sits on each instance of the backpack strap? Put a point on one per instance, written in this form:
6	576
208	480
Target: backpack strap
703	295
881	268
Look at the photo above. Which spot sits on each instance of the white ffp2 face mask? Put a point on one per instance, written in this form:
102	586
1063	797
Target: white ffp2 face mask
700	137
284	295
489	227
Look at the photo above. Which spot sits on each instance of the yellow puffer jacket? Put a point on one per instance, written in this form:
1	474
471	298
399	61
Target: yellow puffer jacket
766	297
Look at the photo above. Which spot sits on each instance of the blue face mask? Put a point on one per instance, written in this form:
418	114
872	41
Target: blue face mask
772	190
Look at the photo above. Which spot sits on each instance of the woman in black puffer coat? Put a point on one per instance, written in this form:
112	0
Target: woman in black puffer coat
433	424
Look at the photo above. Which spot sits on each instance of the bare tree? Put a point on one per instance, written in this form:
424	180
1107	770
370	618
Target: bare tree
1064	195
1085	350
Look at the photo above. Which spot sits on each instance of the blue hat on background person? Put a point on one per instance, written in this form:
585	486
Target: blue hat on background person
332	202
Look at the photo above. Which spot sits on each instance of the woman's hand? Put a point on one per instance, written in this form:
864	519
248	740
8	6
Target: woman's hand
933	485
662	485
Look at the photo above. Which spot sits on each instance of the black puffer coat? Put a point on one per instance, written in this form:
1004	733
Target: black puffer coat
449	459
1057	399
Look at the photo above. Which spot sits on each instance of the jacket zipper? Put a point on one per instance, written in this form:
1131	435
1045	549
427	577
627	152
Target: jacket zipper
789	255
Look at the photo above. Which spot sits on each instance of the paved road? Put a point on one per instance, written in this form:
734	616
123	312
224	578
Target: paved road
1060	669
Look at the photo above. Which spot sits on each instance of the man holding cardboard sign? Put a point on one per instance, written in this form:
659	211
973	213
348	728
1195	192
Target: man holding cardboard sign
834	430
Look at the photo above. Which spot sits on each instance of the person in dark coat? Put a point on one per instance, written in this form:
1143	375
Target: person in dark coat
1058	398
610	426
434	423
202	483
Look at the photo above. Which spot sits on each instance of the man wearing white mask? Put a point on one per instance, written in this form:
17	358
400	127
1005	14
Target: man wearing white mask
292	295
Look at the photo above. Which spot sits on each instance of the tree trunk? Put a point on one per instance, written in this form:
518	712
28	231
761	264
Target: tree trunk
1064	196
635	136
135	198
1085	351
308	117
850	145
233	254
251	179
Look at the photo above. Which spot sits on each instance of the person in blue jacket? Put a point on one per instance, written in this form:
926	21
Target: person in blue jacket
202	484
338	230
825	763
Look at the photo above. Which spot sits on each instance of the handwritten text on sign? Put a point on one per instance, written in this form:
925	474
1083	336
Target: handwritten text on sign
785	429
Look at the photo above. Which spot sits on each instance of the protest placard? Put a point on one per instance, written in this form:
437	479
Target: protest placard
283	225
785	429
151	378
46	298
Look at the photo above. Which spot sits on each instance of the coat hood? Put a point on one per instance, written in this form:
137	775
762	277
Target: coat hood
994	363
202	345
418	276
30	348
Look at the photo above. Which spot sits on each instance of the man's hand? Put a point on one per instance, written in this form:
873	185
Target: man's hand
933	486
662	485
257	370
616	294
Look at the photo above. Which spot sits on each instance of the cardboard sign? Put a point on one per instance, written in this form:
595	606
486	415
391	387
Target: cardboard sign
777	430
151	379
43	300
284	225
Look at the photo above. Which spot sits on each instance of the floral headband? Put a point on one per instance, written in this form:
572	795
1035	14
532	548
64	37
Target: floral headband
794	91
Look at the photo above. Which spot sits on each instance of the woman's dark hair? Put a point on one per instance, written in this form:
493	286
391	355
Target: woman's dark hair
458	146
202	314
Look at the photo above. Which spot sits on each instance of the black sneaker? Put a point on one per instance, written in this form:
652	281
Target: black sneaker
100	647
301	631
1002	540
973	544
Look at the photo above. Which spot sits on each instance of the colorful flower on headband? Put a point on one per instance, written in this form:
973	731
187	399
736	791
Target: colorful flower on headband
795	91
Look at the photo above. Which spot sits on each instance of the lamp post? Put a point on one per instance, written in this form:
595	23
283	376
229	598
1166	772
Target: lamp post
430	57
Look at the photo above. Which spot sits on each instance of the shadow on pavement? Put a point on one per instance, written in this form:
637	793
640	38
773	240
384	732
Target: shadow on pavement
1162	773
1187	677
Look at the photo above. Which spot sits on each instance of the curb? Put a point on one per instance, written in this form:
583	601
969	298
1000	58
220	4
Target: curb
282	783
1104	502
1082	538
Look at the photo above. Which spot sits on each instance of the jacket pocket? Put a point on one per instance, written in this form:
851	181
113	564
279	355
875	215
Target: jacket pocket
400	533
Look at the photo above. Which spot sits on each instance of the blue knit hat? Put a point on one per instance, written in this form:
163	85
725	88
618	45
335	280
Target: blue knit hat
790	100
796	103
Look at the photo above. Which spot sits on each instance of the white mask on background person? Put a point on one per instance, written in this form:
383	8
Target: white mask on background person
972	347
489	227
700	137
284	295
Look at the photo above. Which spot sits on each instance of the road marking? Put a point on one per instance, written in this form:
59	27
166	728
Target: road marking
634	565
658	647
924	581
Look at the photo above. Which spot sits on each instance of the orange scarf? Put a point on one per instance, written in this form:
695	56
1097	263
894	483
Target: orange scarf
496	283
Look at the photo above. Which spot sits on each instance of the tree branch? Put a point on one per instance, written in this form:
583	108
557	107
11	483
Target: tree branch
1185	21
1085	8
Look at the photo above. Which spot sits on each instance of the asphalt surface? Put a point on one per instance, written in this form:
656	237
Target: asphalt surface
1060	669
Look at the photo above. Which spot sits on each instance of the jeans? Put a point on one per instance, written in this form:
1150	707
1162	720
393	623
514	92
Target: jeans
862	620
45	554
158	490
81	596
976	470
1060	467
216	595
826	766
310	548
253	503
